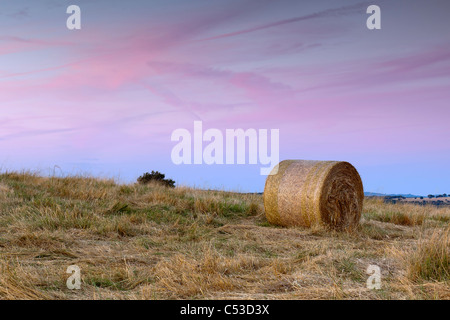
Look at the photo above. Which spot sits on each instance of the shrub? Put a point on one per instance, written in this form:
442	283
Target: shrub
157	177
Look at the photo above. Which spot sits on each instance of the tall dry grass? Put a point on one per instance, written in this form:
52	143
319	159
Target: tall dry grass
431	259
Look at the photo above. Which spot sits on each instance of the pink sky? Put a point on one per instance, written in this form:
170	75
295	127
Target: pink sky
106	98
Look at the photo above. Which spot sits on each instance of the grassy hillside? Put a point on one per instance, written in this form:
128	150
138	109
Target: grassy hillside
153	242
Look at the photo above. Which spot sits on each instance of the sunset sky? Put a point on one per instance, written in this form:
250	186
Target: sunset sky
105	99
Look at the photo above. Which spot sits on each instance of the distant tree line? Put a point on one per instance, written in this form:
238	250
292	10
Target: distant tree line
431	196
394	197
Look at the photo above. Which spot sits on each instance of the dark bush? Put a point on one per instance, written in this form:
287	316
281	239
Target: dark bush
156	176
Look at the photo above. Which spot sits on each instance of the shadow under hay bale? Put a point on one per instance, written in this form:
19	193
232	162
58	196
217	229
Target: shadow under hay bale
310	193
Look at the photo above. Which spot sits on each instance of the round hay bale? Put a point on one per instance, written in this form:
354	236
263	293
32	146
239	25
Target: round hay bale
309	193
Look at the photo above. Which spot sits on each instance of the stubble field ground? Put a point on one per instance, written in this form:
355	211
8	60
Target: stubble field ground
153	242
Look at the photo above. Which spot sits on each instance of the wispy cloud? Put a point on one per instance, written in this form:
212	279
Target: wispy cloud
334	12
20	14
34	133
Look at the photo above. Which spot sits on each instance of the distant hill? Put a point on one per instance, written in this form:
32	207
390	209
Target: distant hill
374	194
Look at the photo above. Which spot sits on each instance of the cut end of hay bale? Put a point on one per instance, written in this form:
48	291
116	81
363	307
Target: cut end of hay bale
308	193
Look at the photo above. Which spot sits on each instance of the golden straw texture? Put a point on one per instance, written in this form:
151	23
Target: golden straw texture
308	193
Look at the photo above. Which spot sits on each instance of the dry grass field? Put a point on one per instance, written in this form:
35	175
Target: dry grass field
153	242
